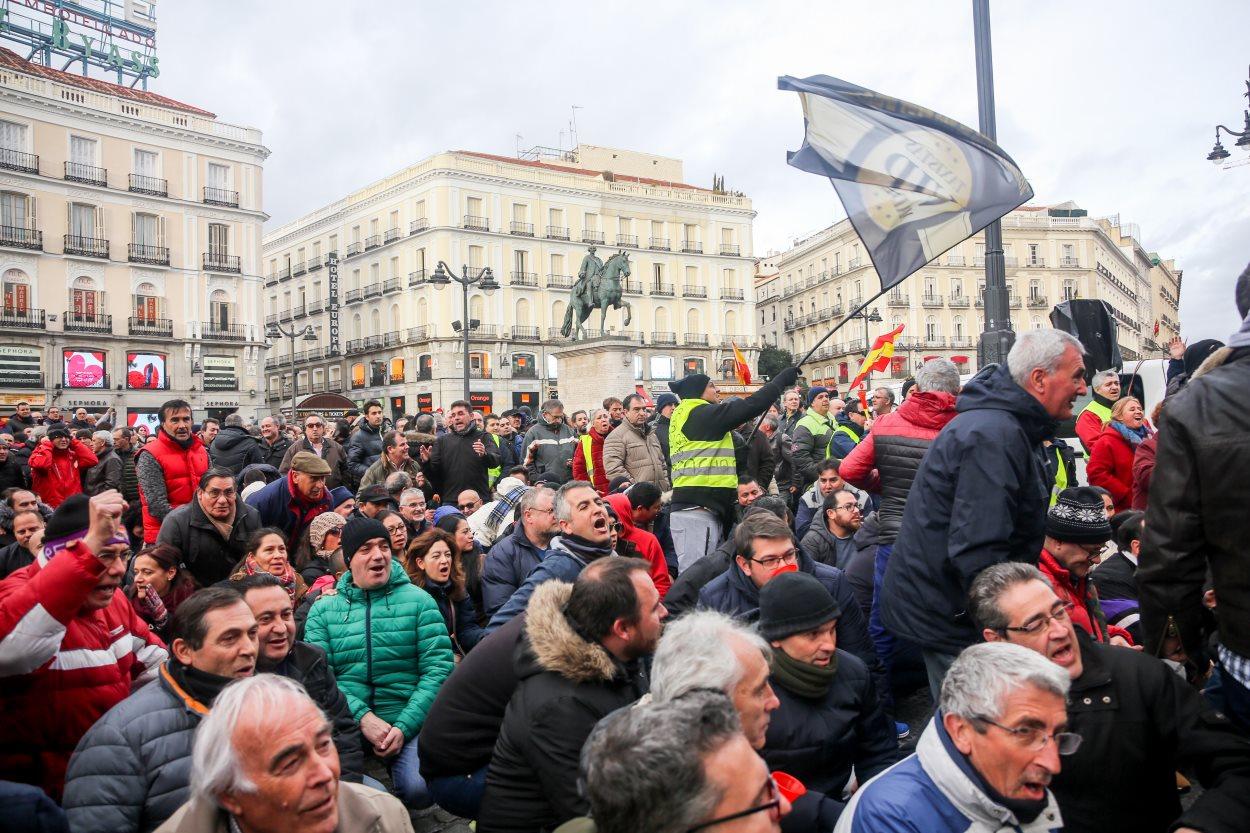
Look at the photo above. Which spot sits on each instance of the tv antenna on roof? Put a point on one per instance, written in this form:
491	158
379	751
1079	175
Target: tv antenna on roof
573	127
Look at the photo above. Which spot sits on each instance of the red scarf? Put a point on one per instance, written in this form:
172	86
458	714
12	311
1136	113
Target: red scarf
287	579
303	508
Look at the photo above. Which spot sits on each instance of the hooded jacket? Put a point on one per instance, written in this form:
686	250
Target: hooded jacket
209	557
566	684
825	547
888	457
648	545
811	501
841	445
56	474
635	453
233	448
560	564
548	448
979	498
388	648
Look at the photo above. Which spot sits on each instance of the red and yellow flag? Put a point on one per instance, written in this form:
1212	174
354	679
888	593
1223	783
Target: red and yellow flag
741	370
878	358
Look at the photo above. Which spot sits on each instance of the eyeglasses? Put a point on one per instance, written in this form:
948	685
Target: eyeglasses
314	425
791	557
1059	613
1034	739
618	527
848	507
772	806
218	494
465	507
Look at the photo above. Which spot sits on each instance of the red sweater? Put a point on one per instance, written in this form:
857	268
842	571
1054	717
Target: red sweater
55	474
600	479
1111	467
648	545
63	668
1086	613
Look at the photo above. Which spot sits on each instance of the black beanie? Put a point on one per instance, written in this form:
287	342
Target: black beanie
794	603
692	386
1078	517
68	523
359	530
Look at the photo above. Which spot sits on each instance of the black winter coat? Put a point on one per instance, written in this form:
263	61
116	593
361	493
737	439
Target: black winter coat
209	557
819	741
979	498
272	455
1141	723
1196	517
459	617
1115	578
306	664
827	548
454	466
460	730
567	685
11	474
233	448
14	557
363	449
683	596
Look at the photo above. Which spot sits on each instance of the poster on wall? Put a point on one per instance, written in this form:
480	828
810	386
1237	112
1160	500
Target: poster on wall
84	369
146	371
20	366
220	373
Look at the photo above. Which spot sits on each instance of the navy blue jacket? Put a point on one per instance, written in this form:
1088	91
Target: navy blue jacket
459	616
559	564
274	505
509	561
735	594
840	445
979	498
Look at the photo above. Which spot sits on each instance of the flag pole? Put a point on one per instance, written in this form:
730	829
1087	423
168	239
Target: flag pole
850	316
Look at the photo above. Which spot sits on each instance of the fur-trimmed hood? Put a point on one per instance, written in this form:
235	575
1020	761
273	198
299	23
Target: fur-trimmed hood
553	644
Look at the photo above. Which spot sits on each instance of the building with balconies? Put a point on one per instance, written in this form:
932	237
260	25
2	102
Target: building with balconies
530	220
1051	253
130	230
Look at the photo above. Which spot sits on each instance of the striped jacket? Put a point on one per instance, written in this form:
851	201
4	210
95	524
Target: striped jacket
62	668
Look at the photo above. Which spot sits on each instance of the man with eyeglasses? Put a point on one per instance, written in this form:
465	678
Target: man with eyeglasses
832	541
679	765
318	442
986	760
212	530
764	549
1140	723
1077	529
468	502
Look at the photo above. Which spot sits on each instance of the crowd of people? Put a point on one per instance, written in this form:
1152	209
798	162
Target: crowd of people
693	613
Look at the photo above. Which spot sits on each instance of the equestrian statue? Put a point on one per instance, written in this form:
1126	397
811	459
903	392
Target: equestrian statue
598	286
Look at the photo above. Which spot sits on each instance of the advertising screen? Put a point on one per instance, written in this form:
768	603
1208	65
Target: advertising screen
84	368
146	371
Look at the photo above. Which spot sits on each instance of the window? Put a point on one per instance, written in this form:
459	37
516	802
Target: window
475	257
148	230
930	286
1035	289
218	176
83	222
147	163
218	239
958	325
473	206
657	271
591	222
1034	253
931	331
693	326
219	310
691	366
661	367
12	138
522	313
520	261
957	287
17	210
555	217
85	301
731	323
476	305
148	304
82	151
1069	289
661	319
624	225
520	212
419	210
16	292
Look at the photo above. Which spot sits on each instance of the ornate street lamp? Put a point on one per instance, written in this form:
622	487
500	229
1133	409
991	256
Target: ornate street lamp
1218	155
276	331
484	278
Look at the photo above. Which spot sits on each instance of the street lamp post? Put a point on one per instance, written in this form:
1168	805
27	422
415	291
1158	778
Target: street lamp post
443	275
274	331
1218	154
875	317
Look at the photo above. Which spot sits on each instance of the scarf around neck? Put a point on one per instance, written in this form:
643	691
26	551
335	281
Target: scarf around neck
183	444
801	678
1134	436
287	579
586	550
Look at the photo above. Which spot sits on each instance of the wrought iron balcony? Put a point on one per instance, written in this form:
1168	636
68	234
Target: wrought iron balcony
696	339
530	372
373	241
523	279
479	373
16	160
391	235
373	290
315	306
730	293
163	327
1069	263
286	315
217	331
854	263
897	299
151	185
559	281
957	301
390	285
18	237
86	174
589	236
521	229
86	246
659	244
1038	302
665	289
418	277
663	338
284	274
955	260
933	300
557	233
299	268
354	296
632	287
221	262
220	196
87	322
630	240
483	332
299	311
271	318
731	249
522	333
425	374
314	263
390	339
354	249
688	291
418	225
354	345
152	255
472	221
1016	302
1036	263
373	342
692	247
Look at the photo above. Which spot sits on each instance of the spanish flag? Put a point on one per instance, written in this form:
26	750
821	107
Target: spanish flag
878	358
741	370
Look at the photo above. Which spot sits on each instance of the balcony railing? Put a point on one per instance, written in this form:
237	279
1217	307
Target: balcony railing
315	306
730	293
955	301
151	327
354	345
286	315
418	225
696	339
86	246
152	255
557	232
692	247
630	240
731	249
1036	263
663	337
220	196
665	289
217	331
219	262
956	260
688	291
520	333
299	268
472	221
390	339
854	263
479	373
16	160
284	274
354	249
659	244
354	296
928	300
87	322
978	260
153	185
589	236
390	285
1038	302
521	229
1069	263
523	279
271	318
424	332
632	287
373	241
559	281
529	372
897	300
373	342
314	263
1016	302
391	235
483	332
86	174
23	319
373	290
299	311
418	277
17	237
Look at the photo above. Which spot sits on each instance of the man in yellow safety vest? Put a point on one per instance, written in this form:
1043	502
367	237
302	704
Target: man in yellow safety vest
1097	413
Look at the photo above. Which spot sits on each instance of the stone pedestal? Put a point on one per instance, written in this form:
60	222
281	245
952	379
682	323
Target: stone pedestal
591	371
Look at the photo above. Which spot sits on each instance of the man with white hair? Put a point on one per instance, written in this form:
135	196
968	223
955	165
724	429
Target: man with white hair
1096	415
986	760
265	762
980	494
107	472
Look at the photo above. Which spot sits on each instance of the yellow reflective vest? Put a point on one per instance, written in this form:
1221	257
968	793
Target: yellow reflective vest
706	463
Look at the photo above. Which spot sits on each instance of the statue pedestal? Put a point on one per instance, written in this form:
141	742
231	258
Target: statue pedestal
591	371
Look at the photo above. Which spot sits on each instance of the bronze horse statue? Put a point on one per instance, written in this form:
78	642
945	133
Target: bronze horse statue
601	291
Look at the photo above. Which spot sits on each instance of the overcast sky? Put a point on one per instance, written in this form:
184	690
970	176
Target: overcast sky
1111	105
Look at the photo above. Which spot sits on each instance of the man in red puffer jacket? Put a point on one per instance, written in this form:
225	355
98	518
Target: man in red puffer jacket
647	544
57	464
169	467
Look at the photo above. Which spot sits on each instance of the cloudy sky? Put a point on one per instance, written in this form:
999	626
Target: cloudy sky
1111	105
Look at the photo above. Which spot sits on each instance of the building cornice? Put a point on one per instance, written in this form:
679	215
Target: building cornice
116	196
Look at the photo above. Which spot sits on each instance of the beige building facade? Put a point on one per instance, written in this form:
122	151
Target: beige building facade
1051	253
531	222
130	232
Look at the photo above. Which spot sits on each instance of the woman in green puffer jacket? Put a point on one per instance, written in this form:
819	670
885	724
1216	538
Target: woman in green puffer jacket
387	643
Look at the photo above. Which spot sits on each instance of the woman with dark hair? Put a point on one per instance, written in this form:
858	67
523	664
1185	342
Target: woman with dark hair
470	555
397	530
159	585
433	564
266	553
